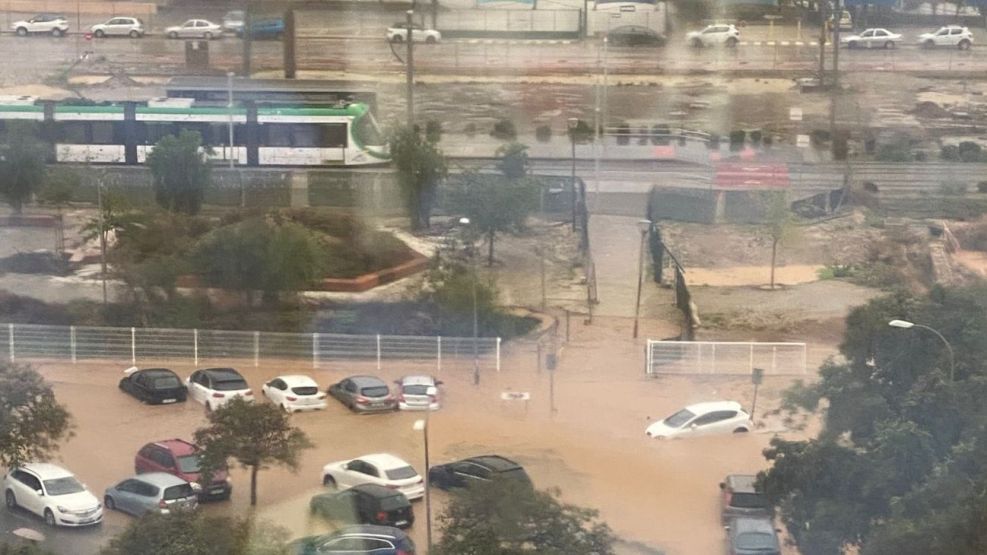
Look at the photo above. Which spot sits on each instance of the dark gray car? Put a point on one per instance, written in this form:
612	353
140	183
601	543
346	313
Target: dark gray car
752	536
364	394
740	497
151	492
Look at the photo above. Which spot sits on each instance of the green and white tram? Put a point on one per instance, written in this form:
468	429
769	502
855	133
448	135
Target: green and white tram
284	135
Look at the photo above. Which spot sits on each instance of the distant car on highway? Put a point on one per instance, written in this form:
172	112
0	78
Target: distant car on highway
700	419
418	393
399	33
752	536
474	470
365	539
194	28
214	387
52	493
872	38
181	458
846	20
739	497
294	393
233	22
55	25
379	468
634	35
119	27
364	394
714	35
266	29
951	35
153	385
365	504
156	492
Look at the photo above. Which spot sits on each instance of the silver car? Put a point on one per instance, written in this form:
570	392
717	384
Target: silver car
152	492
418	393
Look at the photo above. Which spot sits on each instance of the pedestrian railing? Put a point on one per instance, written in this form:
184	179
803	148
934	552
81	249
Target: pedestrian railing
146	345
724	357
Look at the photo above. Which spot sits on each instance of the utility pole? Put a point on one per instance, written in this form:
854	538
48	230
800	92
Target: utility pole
247	38
409	67
823	13
836	43
102	234
288	46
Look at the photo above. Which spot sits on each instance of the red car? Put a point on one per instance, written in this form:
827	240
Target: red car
181	458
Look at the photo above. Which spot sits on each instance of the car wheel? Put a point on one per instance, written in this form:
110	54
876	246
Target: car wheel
21	32
208	35
10	500
430	40
741	430
50	518
57	32
109	503
851	45
173	35
697	43
928	45
963	45
889	45
732	42
99	33
135	35
329	482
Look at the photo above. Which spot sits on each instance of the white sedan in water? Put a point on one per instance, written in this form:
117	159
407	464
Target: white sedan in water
294	393
872	38
380	468
716	417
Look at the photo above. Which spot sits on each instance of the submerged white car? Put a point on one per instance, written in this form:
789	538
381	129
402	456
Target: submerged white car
701	419
714	35
951	35
379	468
418	393
294	393
52	493
872	38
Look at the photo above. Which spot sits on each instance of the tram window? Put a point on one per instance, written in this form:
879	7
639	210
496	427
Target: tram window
277	134
106	133
203	129
73	133
154	132
221	134
305	135
334	135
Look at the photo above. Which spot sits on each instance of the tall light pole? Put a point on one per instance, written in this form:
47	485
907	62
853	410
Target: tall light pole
422	426
102	235
409	68
572	124
643	226
904	324
229	111
476	355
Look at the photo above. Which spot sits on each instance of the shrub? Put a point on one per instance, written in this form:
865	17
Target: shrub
504	130
737	139
470	130
543	133
970	151
714	141
894	152
954	189
433	131
755	137
623	134
982	186
950	153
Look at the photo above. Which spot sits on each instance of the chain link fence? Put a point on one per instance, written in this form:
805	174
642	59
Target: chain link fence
724	358
146	345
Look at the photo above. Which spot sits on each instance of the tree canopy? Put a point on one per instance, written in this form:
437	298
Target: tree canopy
194	533
494	204
32	422
181	172
22	163
901	463
420	166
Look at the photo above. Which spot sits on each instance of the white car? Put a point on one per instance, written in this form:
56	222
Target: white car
418	393
195	28
294	393
120	27
399	33
55	25
716	417
380	468
52	493
951	35
872	38
714	35
214	387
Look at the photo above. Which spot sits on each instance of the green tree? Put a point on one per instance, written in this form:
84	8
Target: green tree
22	163
494	204
32	422
194	533
779	226
181	172
257	435
23	549
420	166
58	190
513	160
506	517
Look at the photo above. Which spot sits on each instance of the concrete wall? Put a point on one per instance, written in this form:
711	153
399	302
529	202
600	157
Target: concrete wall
69	7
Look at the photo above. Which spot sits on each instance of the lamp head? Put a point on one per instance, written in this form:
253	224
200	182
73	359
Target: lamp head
903	324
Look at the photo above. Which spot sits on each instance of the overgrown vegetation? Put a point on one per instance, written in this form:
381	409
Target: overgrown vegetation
32	422
420	166
22	163
196	533
181	172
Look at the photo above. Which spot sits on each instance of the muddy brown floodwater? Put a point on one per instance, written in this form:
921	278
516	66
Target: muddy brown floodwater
663	495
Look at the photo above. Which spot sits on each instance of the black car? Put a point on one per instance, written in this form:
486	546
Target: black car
365	504
474	470
376	540
154	385
634	35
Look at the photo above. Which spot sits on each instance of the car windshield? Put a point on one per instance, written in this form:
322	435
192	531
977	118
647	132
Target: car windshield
188	464
305	390
63	486
678	419
416	389
756	541
167	382
178	492
230	385
748	500
402	473
374	391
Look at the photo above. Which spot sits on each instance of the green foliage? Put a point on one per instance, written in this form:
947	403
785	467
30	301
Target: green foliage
195	533
181	172
32	422
420	166
23	549
504	130
513	160
507	517
543	133
779	225
494	204
581	133
22	163
60	186
433	131
953	189
737	138
901	463
256	435
897	151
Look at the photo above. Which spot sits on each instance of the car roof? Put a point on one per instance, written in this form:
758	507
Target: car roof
742	483
177	446
418	379
295	380
153	371
709	406
47	471
160	479
383	461
742	524
374	530
365	381
377	490
495	462
221	373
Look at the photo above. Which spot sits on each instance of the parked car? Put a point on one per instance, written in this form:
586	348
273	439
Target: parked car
153	385
872	38
365	504
634	35
739	497
418	393
233	22
846	20
752	536
379	468
399	33
214	387
364	394
353	540
156	492
717	417
181	458
474	470
294	393
195	28
52	493
119	27
55	25
714	35
951	35
266	29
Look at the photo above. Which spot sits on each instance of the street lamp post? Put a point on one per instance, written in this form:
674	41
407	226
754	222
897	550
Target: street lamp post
410	67
643	226
572	124
422	426
476	355
229	112
904	324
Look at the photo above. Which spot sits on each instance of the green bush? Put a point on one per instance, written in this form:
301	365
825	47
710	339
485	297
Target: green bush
737	138
504	130
543	133
982	186
894	152
953	189
970	151
950	153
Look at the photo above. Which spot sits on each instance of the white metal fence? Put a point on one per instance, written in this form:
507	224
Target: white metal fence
722	357
145	345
